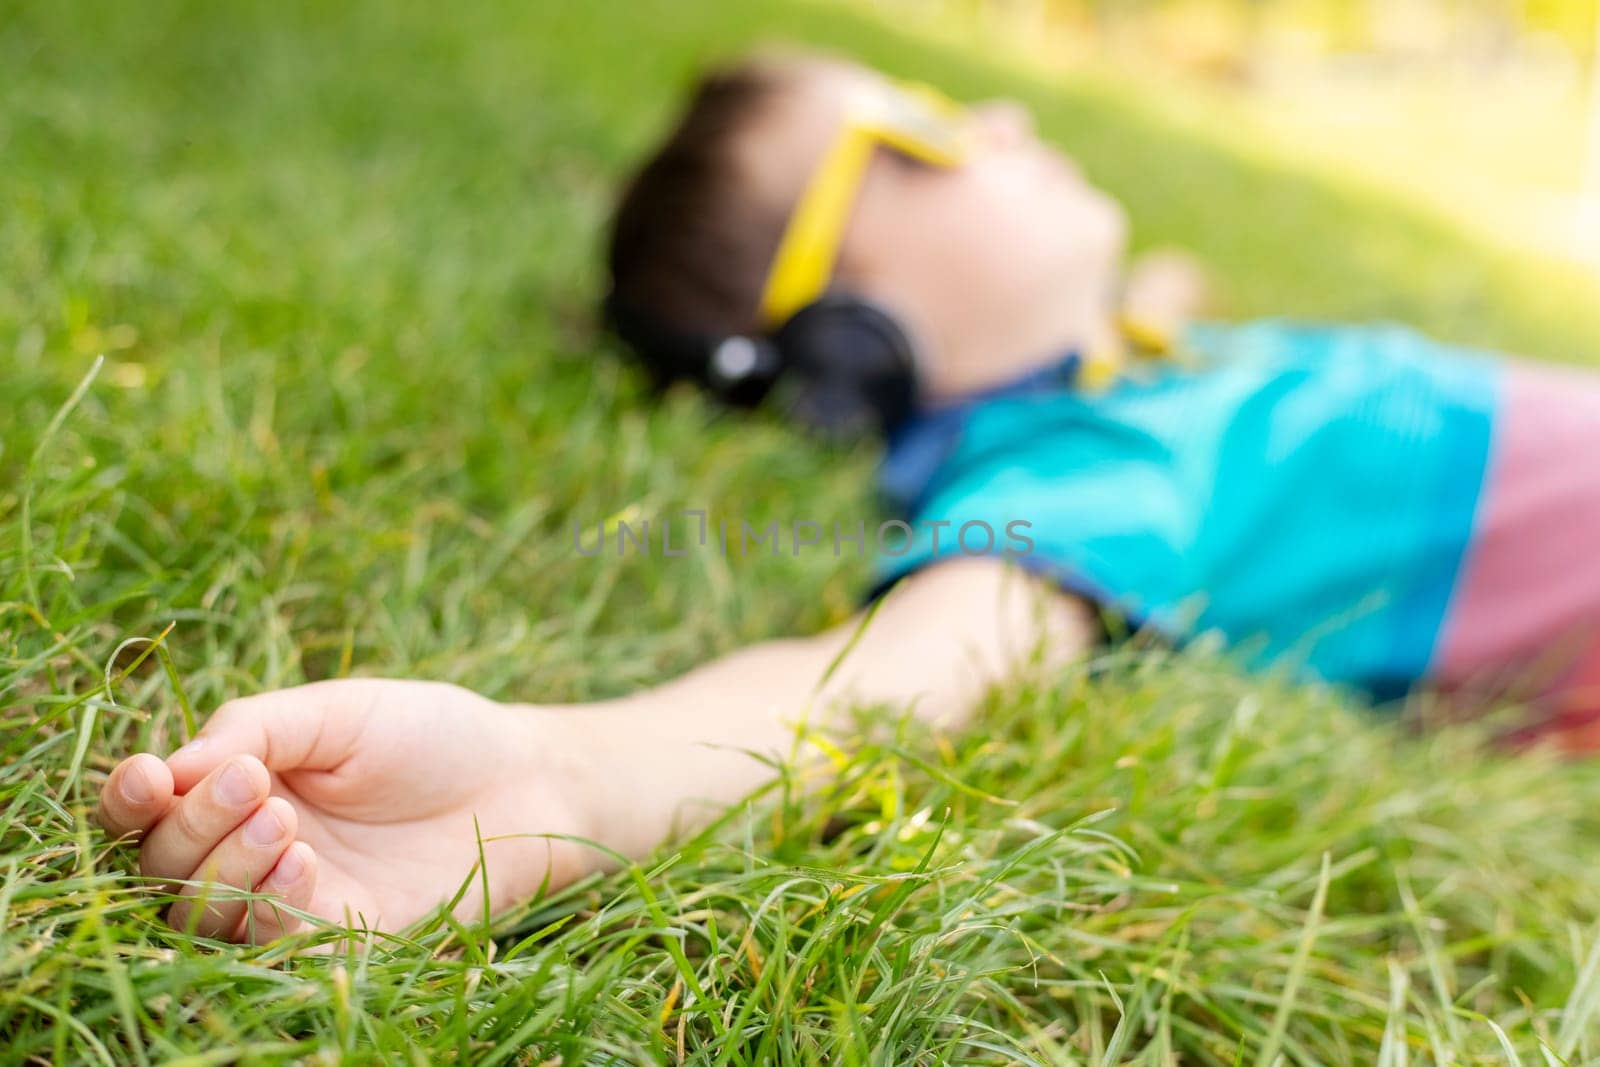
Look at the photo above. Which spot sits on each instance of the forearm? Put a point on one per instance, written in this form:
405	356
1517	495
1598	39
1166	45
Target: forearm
678	754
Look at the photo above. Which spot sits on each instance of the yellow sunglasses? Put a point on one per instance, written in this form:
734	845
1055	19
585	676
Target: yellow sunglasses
913	119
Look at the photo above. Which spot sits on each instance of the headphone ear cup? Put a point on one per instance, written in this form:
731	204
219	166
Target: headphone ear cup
848	366
735	368
740	369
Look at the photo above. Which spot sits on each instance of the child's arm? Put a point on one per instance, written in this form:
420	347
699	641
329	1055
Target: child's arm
936	643
373	792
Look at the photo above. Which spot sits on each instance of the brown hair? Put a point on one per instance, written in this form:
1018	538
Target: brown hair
690	246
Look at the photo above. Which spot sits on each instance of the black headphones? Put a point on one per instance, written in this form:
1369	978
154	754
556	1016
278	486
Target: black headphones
841	365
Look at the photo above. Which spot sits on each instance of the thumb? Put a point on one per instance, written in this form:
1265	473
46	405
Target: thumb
308	727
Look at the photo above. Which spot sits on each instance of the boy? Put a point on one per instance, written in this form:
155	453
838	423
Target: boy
1361	505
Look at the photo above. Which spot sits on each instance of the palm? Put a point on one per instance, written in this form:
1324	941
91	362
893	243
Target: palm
420	772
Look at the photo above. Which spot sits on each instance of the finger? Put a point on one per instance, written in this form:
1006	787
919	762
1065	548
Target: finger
238	864
291	884
309	727
137	793
200	819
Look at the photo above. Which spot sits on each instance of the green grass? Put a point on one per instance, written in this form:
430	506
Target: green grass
340	261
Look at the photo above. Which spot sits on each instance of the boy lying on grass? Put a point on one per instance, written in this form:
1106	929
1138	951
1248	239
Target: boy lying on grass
1368	507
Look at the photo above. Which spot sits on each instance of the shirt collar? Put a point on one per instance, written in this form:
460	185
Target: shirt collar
919	446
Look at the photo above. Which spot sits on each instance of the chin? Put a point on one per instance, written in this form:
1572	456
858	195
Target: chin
1095	251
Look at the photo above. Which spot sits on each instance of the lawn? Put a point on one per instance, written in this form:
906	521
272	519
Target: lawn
340	262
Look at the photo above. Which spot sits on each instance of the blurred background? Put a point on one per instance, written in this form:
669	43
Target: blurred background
1487	111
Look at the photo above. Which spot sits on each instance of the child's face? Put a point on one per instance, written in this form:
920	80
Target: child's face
964	253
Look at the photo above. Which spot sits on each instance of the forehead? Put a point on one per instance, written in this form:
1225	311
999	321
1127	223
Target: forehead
794	131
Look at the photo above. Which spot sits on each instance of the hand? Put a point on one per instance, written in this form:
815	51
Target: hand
1165	290
354	800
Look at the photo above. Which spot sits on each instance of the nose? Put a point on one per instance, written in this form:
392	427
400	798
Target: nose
1005	123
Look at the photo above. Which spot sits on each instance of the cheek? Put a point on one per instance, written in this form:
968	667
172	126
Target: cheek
1043	222
1002	235
1073	223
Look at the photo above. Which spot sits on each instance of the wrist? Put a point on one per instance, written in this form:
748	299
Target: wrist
642	771
559	788
582	764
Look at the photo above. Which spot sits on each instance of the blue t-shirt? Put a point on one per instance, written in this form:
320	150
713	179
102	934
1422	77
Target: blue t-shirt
1308	492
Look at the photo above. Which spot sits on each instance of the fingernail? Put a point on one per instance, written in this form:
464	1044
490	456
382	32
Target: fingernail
136	788
234	786
189	749
290	867
263	828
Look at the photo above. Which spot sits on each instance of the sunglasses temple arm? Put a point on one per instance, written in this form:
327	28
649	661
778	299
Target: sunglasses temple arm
809	248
